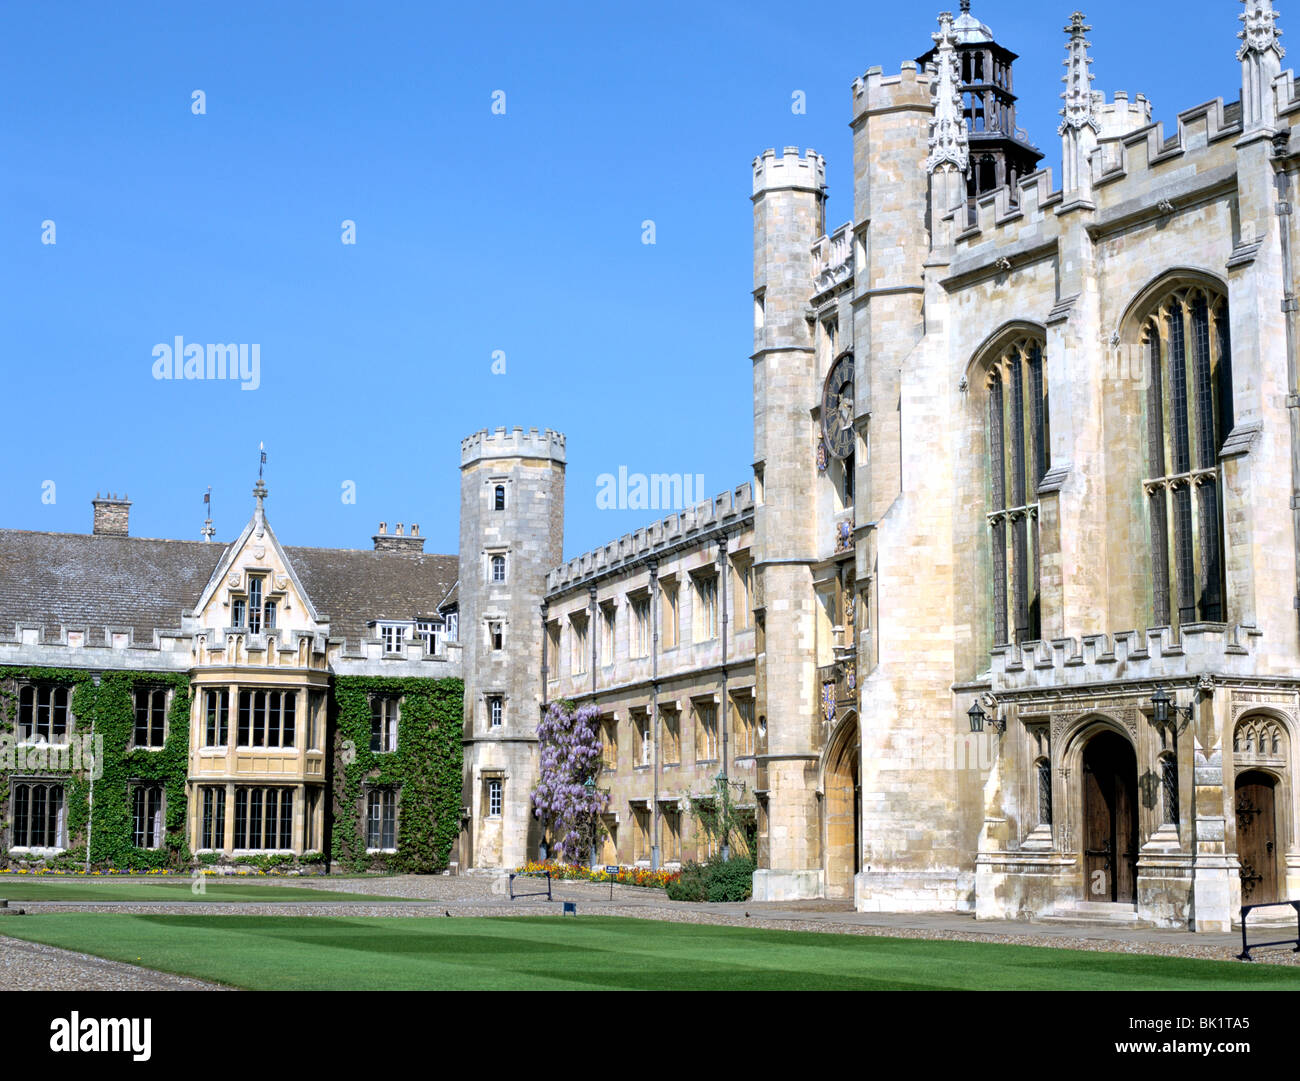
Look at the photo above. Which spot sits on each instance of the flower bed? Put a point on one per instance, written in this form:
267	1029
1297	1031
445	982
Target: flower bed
626	876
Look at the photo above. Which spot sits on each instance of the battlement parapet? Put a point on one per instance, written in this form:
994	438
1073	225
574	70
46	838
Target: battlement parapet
512	443
733	509
1146	147
1158	653
1118	162
875	92
1121	116
790	171
115	648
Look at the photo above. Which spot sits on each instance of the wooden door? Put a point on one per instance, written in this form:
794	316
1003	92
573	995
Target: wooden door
1110	820
1257	837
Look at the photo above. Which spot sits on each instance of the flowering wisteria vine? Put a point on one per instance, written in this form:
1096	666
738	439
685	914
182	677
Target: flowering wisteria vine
570	756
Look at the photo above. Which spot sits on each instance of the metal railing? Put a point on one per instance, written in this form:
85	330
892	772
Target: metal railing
530	874
1246	947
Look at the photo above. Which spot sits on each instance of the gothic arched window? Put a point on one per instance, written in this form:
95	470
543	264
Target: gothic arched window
1189	414
1018	458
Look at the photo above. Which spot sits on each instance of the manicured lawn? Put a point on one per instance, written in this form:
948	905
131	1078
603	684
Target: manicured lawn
162	889
599	953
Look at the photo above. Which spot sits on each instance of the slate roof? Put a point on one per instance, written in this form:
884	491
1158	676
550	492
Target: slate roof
350	587
81	580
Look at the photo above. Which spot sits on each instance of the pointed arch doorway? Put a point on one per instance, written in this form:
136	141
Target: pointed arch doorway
843	803
1110	824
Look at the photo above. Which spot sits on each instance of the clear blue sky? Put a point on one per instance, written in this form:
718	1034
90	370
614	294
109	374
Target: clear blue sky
475	233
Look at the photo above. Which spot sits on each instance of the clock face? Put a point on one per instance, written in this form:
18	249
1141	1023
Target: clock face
837	408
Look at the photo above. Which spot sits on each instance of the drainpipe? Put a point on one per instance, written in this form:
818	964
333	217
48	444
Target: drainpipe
654	707
722	602
724	713
545	670
1281	142
591	636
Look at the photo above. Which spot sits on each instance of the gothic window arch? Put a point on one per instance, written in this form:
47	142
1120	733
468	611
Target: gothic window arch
1018	440
1261	740
1185	339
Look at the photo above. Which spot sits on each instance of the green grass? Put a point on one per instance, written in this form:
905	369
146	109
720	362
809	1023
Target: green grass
160	889
599	953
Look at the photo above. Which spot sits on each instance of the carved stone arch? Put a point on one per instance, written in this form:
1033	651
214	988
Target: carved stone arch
1077	821
992	345
842	807
843	737
1084	726
1261	739
1129	329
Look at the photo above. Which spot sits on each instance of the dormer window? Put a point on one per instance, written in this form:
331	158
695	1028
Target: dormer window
431	631
392	635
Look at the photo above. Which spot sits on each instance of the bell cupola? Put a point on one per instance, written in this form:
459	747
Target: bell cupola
1000	152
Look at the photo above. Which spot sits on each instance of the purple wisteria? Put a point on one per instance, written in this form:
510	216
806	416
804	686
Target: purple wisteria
570	756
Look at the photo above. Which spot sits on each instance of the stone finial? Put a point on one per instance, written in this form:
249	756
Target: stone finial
259	514
948	137
1260	33
1079	108
965	7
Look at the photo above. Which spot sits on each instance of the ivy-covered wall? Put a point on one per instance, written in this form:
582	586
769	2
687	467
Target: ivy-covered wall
425	770
107	712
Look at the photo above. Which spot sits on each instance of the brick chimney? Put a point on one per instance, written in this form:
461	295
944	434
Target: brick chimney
111	515
397	542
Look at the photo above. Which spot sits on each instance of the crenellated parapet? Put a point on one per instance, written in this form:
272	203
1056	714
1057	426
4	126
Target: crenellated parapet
1157	654
512	443
1134	168
727	511
790	171
876	92
108	649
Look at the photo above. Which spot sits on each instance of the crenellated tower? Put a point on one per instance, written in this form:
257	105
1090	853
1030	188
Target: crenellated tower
789	196
511	535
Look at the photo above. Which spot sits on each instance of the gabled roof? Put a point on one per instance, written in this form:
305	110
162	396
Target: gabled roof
98	581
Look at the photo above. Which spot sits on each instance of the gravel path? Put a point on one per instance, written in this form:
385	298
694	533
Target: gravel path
30	966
